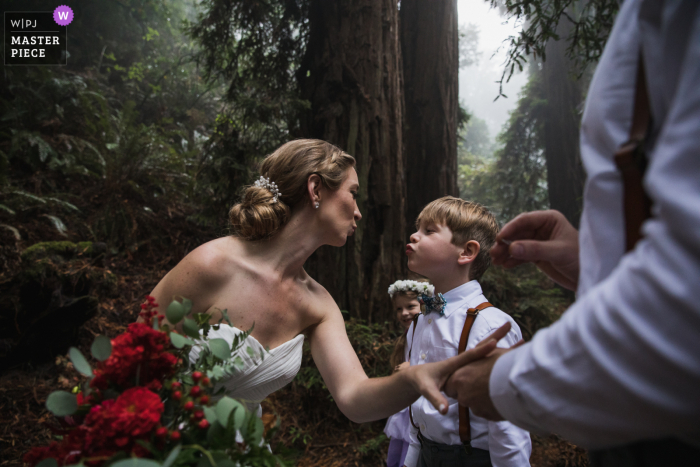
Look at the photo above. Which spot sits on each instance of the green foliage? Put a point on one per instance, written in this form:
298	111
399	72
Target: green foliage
526	294
256	49
80	362
520	174
61	403
511	178
101	348
469	45
591	22
373	445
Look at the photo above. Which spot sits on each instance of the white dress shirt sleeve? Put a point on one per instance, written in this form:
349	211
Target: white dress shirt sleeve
623	363
508	445
413	448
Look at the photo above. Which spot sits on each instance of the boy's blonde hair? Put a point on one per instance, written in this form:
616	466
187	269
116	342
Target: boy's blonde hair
467	221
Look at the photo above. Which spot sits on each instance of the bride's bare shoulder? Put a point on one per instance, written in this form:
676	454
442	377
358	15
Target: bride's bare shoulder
201	274
321	302
211	262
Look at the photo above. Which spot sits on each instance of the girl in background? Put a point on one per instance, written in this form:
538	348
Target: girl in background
405	301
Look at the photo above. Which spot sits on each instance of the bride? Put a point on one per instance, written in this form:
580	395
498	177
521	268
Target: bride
305	198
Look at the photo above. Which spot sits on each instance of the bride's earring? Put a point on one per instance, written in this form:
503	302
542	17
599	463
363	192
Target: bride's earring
317	205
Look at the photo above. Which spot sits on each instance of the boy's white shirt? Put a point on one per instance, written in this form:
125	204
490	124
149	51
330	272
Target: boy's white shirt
437	338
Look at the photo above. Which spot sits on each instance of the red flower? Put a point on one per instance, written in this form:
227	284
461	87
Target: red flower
140	349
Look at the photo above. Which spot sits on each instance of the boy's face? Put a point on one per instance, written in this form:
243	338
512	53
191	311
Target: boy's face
431	250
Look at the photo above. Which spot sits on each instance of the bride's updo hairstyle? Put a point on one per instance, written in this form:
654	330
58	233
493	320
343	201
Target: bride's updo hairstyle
257	216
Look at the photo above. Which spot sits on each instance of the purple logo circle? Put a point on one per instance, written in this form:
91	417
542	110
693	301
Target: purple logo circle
63	15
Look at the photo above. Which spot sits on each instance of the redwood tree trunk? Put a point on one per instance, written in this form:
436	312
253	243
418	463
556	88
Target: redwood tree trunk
429	43
563	92
351	76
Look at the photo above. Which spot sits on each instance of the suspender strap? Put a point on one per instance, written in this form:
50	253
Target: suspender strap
631	161
413	334
464	428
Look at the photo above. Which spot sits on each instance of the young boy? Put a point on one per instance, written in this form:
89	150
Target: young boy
451	248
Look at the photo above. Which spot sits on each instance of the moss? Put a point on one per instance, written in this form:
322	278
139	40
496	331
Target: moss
44	249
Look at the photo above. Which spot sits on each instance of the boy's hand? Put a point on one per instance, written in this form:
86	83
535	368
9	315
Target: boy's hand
429	378
545	238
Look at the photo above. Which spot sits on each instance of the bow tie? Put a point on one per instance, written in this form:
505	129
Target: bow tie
436	303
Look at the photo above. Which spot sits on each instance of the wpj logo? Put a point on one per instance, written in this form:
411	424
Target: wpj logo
37	38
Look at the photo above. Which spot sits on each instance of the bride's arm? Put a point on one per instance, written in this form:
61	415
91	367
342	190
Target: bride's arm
364	399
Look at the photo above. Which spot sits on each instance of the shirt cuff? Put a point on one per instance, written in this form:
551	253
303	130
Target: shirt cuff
412	455
505	396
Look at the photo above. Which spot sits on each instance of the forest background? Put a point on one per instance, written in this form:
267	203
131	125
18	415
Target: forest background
114	167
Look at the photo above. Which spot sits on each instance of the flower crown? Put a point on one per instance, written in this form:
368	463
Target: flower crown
264	182
411	286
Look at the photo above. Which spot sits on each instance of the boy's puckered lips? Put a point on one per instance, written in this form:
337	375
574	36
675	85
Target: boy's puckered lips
409	249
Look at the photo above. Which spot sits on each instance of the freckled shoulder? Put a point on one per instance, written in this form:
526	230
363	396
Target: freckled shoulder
321	304
200	274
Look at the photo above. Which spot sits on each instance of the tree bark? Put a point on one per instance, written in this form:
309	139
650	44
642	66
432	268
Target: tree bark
351	75
563	92
429	43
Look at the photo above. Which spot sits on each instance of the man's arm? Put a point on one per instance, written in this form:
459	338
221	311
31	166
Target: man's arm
622	364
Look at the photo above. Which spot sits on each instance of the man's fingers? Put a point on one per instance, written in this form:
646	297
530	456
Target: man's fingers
535	250
496	335
480	351
526	224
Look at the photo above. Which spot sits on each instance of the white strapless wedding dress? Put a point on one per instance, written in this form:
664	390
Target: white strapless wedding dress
260	376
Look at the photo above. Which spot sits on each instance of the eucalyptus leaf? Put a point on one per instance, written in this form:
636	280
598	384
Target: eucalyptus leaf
50	462
210	415
62	403
79	361
187	305
101	348
136	462
225	407
220	348
175	312
191	328
172	457
180	341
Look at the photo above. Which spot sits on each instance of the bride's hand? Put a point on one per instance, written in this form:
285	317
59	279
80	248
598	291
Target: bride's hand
429	378
401	366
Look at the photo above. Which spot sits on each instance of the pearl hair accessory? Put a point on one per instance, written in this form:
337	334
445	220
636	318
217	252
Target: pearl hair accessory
264	182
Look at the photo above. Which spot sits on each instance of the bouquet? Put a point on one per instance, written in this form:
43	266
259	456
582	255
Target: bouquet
146	405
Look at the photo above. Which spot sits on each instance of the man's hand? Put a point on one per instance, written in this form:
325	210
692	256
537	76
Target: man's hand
470	386
427	379
545	238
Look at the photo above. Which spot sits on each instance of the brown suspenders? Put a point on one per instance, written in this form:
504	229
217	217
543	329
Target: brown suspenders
464	428
631	161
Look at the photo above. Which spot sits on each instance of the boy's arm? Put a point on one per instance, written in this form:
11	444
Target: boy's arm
509	446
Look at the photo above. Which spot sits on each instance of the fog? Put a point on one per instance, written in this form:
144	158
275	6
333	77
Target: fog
478	86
